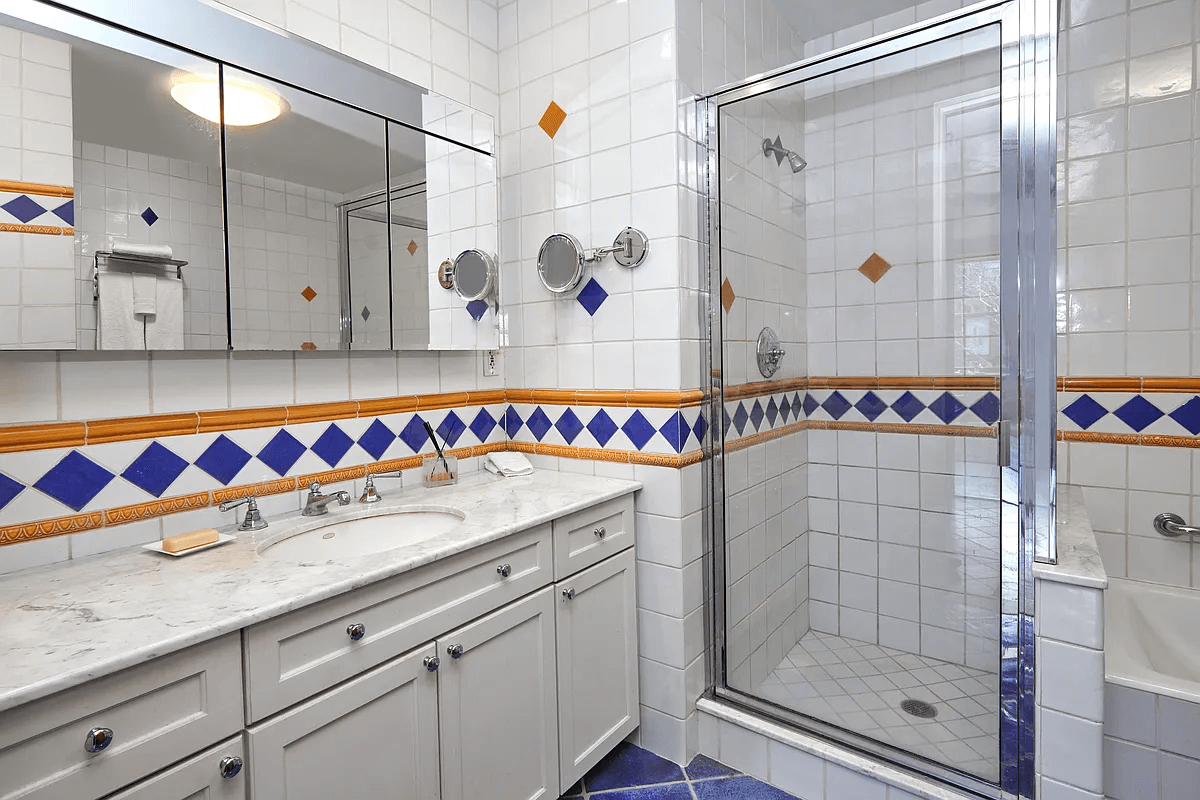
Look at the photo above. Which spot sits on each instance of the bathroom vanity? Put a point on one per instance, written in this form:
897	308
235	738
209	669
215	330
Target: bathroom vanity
494	659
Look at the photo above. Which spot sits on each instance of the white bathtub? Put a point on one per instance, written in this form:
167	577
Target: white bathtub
1152	638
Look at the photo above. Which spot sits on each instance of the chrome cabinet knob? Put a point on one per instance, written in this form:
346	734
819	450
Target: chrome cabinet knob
600	532
432	663
357	631
568	594
98	739
455	651
230	766
504	570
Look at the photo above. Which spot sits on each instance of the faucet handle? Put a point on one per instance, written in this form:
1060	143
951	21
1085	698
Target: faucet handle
314	488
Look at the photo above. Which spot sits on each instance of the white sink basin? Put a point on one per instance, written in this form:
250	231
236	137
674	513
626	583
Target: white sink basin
363	536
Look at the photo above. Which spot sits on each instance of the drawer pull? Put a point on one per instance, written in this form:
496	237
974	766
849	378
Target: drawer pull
432	663
568	594
504	570
230	767
600	532
455	651
98	739
356	631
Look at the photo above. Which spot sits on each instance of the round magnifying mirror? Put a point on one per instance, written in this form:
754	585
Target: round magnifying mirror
474	274
560	263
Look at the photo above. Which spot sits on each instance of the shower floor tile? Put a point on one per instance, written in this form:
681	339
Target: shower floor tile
859	686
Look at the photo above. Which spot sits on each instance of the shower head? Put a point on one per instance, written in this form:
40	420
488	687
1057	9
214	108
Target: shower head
775	148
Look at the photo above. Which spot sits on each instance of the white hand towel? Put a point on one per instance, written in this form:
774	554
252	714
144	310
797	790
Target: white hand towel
145	289
148	250
509	465
116	326
164	331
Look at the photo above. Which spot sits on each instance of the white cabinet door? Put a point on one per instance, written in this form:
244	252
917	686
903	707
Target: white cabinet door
597	663
496	702
201	777
375	736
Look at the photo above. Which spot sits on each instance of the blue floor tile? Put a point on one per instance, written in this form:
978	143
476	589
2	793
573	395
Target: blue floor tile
704	767
628	765
742	787
574	791
669	791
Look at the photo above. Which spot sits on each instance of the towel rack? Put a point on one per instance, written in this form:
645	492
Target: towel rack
148	261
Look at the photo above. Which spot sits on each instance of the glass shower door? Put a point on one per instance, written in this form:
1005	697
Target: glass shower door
861	556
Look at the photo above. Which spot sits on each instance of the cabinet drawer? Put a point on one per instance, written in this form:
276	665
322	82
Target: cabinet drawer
300	654
159	711
198	778
588	537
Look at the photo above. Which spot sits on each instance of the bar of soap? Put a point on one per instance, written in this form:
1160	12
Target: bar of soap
189	541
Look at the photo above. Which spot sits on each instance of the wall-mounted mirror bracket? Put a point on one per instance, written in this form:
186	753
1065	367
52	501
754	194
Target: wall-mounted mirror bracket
561	258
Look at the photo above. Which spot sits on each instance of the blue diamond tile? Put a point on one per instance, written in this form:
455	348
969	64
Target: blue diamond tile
704	767
74	481
947	407
377	439
451	429
155	469
477	308
638	429
740	417
24	208
908	406
483	425
282	452
628	765
602	427
223	459
870	406
1138	413
66	212
9	489
414	434
539	424
592	296
332	445
987	408
365	313
757	414
512	422
836	405
728	420
1187	415
149	216
785	409
676	432
1085	412
700	428
569	426
742	786
809	404
772	413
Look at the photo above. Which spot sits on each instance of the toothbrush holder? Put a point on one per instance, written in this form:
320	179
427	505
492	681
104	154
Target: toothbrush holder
435	473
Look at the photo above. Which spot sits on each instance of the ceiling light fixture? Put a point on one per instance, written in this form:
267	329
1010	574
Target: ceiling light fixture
245	103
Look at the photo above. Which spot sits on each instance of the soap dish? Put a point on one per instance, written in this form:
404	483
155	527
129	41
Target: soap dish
222	538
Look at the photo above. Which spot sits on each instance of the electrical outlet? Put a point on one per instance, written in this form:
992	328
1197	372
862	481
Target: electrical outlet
491	363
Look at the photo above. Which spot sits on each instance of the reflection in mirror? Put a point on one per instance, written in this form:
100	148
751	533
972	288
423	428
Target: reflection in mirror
410	239
104	153
560	262
287	179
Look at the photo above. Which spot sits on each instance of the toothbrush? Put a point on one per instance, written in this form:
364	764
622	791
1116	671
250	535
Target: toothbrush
436	446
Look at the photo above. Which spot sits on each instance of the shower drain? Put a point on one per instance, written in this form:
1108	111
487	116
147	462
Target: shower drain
918	708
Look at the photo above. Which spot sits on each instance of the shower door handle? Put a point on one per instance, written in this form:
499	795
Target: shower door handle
1002	448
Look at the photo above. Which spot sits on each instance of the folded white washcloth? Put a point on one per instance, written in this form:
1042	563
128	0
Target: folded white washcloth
507	464
145	294
147	250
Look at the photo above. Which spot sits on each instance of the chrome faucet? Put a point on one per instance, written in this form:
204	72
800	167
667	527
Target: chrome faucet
253	521
370	493
317	503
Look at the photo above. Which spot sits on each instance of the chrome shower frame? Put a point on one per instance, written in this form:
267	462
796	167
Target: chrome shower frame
1028	85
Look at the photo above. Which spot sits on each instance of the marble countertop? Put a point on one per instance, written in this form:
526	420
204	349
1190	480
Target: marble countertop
70	623
1078	556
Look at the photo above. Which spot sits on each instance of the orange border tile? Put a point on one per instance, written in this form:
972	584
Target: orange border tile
263	489
387	405
45	230
599	397
447	400
322	412
241	418
44	529
39	189
154	426
156	508
53	435
331	476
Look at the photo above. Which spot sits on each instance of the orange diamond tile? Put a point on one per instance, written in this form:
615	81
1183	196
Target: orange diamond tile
308	346
552	120
727	295
309	293
874	267
412	247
